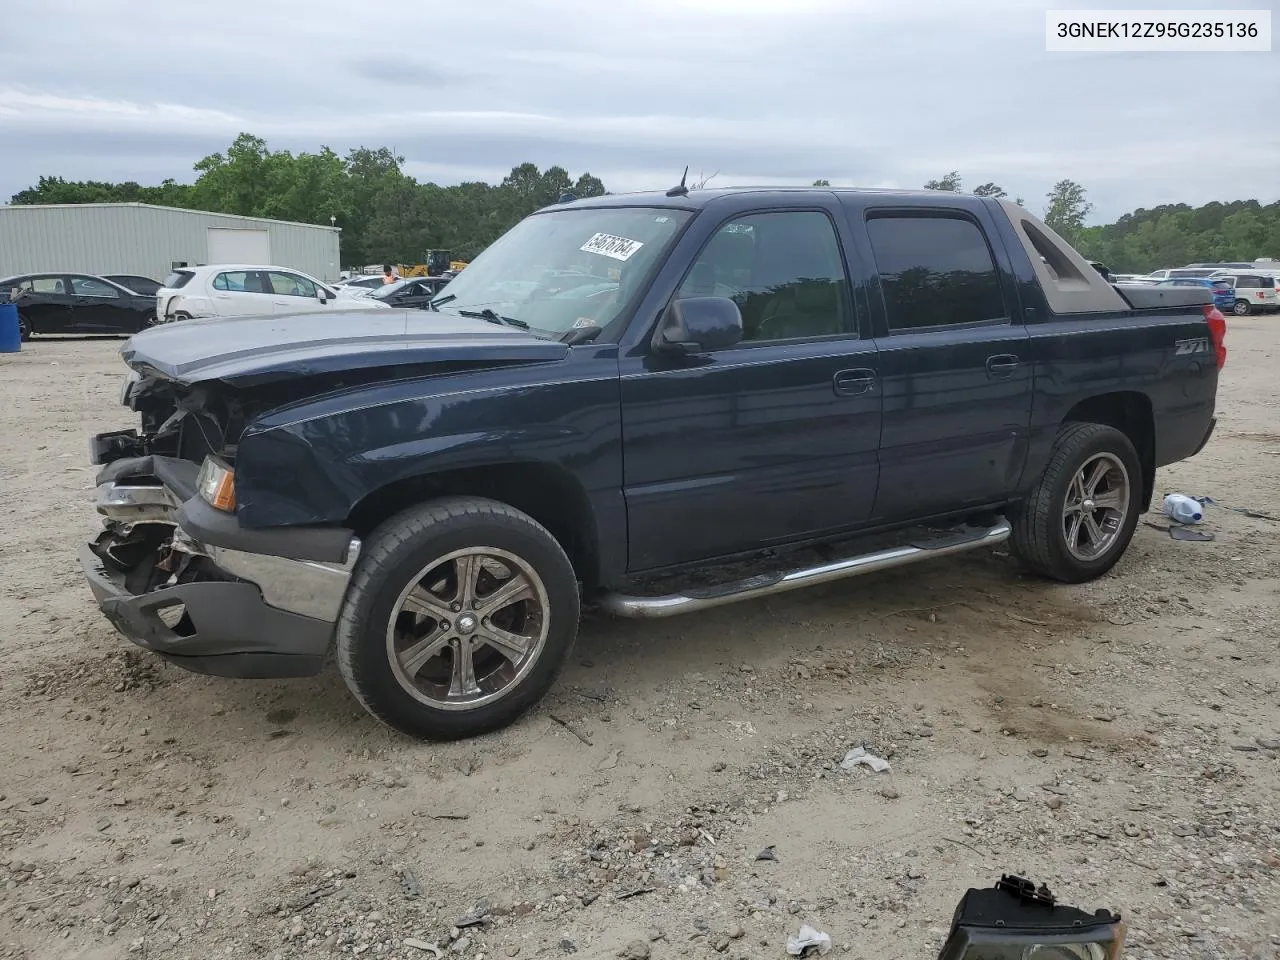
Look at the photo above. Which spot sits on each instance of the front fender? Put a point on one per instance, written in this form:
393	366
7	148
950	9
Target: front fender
313	462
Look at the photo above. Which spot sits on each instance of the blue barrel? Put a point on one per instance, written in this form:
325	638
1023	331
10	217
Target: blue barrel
10	335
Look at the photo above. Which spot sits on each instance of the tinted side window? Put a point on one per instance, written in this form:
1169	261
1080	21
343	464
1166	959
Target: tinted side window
1250	282
934	271
784	271
92	287
180	278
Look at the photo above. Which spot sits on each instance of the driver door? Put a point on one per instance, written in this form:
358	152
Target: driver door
292	293
46	302
99	307
772	440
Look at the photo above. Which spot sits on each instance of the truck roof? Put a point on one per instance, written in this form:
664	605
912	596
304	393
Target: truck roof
1070	284
695	199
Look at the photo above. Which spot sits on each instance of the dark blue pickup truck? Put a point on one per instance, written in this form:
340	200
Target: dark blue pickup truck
655	403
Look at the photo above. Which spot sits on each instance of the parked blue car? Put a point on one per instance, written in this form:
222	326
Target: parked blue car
1224	295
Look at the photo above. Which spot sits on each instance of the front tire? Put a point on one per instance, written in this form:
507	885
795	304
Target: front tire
24	326
1078	520
459	616
1241	308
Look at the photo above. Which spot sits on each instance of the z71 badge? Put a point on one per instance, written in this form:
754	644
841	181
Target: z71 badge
1184	347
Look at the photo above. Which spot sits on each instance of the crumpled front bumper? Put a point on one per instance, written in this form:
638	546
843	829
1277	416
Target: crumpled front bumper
243	614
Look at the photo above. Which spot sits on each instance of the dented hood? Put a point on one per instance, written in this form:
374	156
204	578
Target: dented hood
248	351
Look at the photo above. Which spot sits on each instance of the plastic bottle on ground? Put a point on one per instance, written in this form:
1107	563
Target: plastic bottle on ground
1182	509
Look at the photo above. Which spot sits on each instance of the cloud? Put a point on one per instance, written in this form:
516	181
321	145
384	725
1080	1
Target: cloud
865	92
403	73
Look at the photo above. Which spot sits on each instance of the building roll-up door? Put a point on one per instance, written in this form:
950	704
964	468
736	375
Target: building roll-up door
239	246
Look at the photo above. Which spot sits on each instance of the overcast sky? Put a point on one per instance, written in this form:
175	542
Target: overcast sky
861	92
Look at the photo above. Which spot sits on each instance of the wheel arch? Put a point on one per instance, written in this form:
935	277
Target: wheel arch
548	493
1130	412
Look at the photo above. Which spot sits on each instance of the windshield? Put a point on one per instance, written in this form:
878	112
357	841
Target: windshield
387	289
567	269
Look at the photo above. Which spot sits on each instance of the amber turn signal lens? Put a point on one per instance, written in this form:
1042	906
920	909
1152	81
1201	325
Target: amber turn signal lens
216	485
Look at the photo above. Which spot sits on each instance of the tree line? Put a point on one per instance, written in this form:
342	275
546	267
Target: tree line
388	216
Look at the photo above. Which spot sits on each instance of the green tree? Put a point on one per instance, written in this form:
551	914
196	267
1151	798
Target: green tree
1067	208
950	183
822	183
989	189
588	186
239	181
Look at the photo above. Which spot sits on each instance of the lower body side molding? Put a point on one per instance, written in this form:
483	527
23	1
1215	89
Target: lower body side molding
703	598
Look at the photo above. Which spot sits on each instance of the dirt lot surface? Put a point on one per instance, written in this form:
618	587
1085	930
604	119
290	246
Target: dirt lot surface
1117	740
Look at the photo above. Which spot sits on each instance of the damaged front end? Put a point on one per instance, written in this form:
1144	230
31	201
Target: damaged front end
186	422
177	576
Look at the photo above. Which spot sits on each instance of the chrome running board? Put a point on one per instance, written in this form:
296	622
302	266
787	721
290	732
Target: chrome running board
703	598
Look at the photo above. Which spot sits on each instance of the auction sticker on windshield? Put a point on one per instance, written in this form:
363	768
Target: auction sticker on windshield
607	245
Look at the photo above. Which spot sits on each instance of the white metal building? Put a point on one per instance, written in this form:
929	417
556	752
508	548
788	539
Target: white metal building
149	241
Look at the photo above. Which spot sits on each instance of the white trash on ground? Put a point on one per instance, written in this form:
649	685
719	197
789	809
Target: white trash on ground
858	757
806	940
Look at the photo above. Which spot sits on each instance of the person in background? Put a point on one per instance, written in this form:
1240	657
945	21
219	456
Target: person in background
388	274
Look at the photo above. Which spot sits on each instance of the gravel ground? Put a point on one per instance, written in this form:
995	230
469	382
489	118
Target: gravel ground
1117	740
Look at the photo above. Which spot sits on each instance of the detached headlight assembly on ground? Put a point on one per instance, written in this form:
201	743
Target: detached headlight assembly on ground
1015	920
216	485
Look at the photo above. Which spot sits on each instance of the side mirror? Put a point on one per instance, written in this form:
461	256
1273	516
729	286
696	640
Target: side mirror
322	294
698	324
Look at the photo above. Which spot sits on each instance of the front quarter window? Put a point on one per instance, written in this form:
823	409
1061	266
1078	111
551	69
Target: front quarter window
567	269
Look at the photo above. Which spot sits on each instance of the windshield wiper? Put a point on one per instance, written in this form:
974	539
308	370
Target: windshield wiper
435	304
494	317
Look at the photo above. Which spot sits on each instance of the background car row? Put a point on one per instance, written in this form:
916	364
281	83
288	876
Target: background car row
1242	288
241	290
54	302
78	303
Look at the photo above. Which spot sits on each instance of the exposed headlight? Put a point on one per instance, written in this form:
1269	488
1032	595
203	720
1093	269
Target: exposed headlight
1016	921
216	485
126	388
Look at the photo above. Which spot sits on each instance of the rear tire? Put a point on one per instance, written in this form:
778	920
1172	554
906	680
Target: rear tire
1078	520
1241	308
459	616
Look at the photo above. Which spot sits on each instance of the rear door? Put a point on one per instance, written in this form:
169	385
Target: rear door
954	364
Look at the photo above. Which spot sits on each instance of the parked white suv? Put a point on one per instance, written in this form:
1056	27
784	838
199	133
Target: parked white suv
1253	291
239	290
